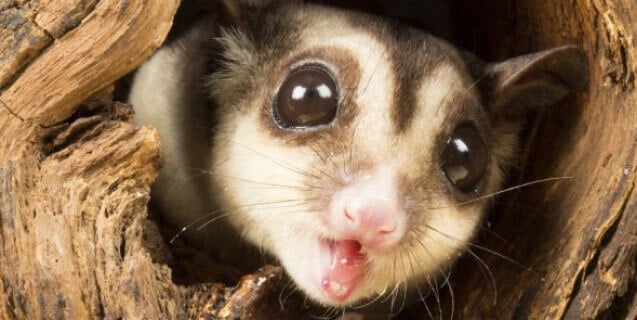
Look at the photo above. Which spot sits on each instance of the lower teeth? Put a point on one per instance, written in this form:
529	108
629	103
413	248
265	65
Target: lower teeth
337	289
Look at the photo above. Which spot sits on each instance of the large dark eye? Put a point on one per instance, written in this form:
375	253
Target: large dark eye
308	97
464	160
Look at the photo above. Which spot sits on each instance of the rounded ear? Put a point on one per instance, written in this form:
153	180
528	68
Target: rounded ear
511	87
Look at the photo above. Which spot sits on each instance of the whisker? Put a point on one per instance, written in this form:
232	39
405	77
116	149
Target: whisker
493	194
275	161
520	186
395	268
402	262
498	237
329	157
424	299
451	294
188	226
301	202
483	266
270	184
207	223
318	154
350	158
281	298
487	250
371	301
328	314
394	297
369	81
435	286
294	203
454	85
200	173
404	300
330	176
447	97
324	159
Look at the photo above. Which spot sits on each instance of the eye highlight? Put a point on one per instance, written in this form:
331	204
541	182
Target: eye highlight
464	158
308	97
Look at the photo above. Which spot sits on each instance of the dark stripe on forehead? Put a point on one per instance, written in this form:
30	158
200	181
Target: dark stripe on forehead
412	55
406	47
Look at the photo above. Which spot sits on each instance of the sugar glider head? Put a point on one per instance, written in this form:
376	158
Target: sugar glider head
350	147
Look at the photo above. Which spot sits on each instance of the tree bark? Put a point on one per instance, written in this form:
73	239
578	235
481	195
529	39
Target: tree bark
578	237
75	172
73	188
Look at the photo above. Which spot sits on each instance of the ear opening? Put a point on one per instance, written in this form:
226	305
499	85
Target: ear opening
514	86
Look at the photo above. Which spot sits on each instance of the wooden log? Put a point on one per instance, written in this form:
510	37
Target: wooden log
579	237
73	186
74	175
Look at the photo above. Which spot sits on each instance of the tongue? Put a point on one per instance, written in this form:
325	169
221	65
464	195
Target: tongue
342	269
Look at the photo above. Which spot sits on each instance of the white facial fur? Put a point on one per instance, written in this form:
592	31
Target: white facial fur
265	180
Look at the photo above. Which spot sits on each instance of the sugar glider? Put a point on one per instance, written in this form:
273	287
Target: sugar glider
347	146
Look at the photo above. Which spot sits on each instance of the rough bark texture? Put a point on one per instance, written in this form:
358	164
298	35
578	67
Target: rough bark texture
75	172
74	175
73	188
579	236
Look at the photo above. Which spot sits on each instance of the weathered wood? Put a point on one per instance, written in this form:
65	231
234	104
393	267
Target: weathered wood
74	190
29	27
112	39
578	236
75	242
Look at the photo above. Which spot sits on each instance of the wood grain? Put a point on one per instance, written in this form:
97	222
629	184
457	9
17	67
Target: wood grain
74	189
75	241
580	236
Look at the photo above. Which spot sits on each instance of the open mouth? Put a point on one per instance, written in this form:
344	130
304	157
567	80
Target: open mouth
342	267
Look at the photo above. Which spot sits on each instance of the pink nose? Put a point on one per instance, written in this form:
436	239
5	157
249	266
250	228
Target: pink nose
372	220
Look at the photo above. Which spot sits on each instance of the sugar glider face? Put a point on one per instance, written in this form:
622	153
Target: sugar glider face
353	147
361	164
349	147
